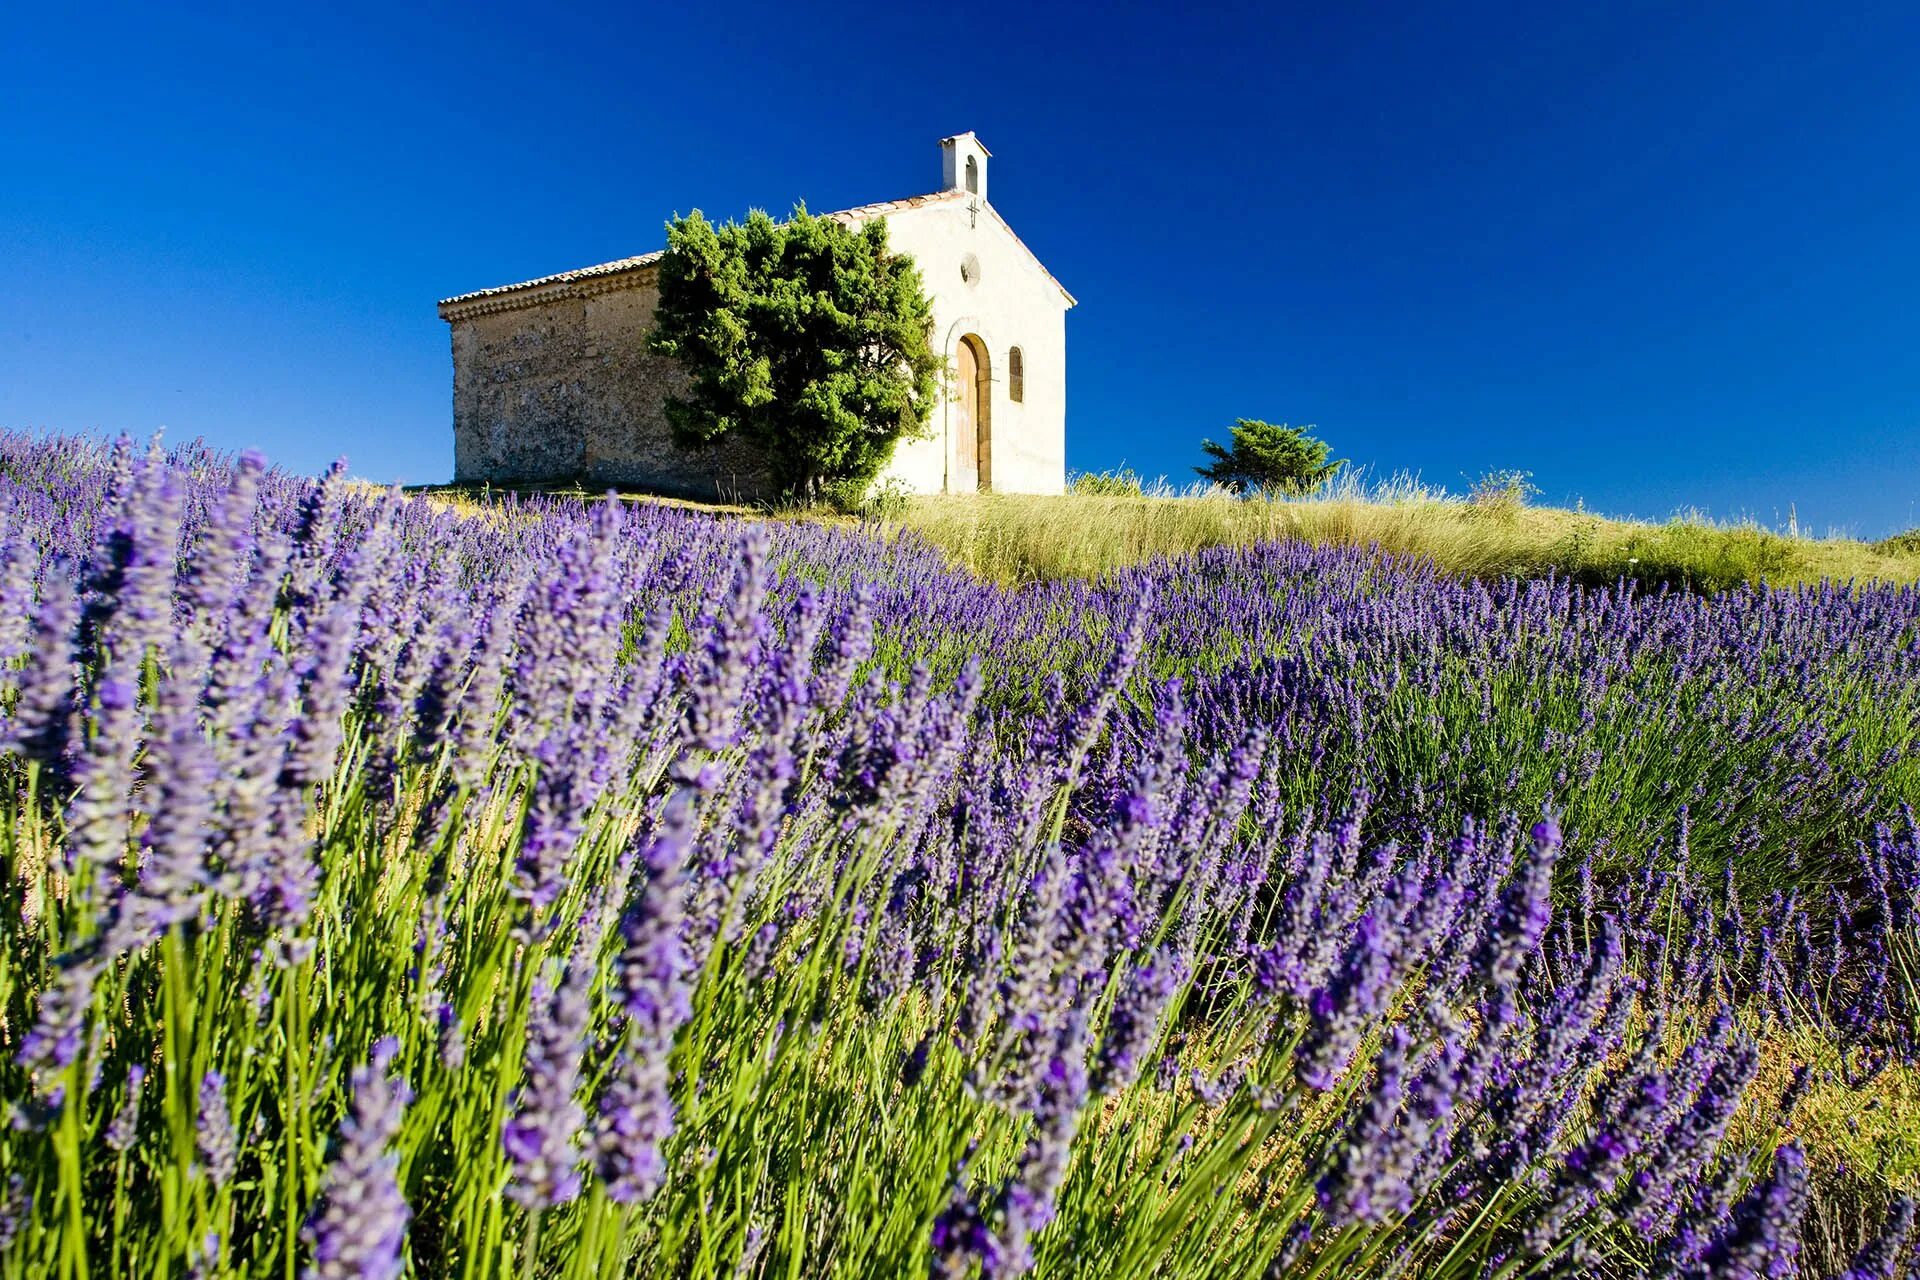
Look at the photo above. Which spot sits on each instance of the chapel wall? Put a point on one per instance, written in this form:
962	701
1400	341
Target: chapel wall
559	387
565	391
1009	302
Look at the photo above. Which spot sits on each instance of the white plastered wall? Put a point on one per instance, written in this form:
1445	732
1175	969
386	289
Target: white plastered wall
1009	302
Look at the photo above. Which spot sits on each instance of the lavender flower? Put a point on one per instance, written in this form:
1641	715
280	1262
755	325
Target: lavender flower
654	959
735	636
1760	1240
1795	1093
1292	1249
542	1133
1879	1258
53	1043
1026	1203
635	1119
41	725
636	1112
213	1137
1341	1009
913	1063
203	1258
358	1228
1524	911
174	876
963	1235
124	1130
1370	1174
15	1206
1691	1139
1134	1024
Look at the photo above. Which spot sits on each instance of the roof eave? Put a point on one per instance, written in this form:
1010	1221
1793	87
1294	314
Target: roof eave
955	137
622	273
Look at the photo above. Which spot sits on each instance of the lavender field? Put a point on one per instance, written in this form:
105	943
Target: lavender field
569	890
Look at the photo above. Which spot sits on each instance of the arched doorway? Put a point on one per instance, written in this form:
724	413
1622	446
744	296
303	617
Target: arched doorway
973	417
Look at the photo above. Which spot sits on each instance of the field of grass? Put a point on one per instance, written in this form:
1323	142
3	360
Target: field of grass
1014	539
559	889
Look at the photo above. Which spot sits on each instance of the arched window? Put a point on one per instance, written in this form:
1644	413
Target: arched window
1016	376
973	175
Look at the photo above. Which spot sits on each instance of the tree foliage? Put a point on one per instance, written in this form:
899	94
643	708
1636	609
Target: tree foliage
1268	455
807	338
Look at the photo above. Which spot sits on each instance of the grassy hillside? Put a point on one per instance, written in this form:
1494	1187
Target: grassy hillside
1010	539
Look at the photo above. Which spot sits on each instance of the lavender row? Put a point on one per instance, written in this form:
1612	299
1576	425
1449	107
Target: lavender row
565	889
1785	722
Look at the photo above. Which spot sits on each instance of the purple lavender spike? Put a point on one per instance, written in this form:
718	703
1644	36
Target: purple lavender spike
40	725
1341	1010
1134	1024
1524	912
1026	1203
124	1130
1880	1257
1371	1174
1761	1238
733	641
16	1206
214	1142
542	1133
636	1113
358	1228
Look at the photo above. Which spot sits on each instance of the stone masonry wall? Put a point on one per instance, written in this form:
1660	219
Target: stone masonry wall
565	391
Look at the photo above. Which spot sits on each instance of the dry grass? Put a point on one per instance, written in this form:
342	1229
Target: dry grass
1871	1132
1862	1143
1013	539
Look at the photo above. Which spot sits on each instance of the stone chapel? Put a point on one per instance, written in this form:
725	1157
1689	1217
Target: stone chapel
553	383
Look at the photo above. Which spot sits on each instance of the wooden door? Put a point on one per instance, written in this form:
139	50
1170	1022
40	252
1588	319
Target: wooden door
966	419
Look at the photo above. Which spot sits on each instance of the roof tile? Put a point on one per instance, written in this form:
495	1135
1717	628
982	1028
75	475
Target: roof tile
859	213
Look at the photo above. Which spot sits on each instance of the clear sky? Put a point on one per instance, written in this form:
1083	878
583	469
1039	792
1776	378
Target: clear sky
1660	255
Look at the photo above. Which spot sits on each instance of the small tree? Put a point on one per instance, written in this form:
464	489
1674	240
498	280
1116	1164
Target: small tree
808	338
1267	455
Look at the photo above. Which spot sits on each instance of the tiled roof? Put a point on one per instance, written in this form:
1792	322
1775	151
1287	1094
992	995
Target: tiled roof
562	277
616	267
558	282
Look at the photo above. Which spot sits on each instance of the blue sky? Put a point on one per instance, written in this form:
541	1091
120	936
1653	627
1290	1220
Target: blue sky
1661	256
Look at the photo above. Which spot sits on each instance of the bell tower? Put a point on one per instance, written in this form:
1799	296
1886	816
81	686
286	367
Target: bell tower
963	164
